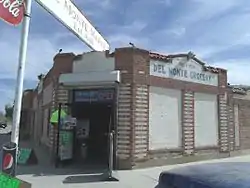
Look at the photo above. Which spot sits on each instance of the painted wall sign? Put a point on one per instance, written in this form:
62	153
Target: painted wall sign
93	95
12	11
184	70
71	17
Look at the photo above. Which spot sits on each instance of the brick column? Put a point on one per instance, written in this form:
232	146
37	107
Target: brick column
123	62
134	66
223	111
59	95
223	123
231	129
51	131
188	122
124	126
141	121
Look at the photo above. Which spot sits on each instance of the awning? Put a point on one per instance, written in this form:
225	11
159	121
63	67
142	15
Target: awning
90	78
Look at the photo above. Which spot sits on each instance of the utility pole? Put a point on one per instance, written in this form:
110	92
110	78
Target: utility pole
20	75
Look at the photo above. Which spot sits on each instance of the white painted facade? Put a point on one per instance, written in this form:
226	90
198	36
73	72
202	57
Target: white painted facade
93	62
164	118
182	69
92	69
166	107
205	120
90	78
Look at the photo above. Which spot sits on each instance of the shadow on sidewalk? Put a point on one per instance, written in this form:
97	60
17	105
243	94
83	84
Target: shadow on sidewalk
38	170
46	168
87	178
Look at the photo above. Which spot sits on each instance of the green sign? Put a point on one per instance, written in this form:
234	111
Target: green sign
66	137
66	144
54	116
9	182
24	155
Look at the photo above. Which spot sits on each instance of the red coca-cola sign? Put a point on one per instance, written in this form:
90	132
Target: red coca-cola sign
12	11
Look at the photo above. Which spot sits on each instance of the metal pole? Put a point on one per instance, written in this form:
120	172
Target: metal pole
58	134
110	153
110	166
20	73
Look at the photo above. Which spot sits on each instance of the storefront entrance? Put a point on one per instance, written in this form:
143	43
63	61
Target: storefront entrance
94	111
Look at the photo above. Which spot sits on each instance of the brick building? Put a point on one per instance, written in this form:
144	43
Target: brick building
239	110
158	105
26	124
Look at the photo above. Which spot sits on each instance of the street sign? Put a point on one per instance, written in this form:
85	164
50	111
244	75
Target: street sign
72	18
12	11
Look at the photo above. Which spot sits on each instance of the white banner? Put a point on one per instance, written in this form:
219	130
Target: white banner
71	17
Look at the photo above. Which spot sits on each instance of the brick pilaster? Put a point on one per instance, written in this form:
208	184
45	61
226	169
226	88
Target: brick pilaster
231	129
141	121
124	122
188	122
59	95
223	123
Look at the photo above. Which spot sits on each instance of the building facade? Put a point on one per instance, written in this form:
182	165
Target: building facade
165	105
239	109
26	124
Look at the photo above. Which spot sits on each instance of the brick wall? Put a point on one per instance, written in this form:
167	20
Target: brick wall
231	133
124	125
134	66
141	111
62	64
188	121
223	123
231	123
52	130
26	119
62	96
27	100
133	103
242	101
244	123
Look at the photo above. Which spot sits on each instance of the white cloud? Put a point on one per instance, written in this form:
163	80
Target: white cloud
7	96
191	30
202	10
39	56
238	71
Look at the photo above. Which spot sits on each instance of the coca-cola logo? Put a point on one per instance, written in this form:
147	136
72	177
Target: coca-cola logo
12	11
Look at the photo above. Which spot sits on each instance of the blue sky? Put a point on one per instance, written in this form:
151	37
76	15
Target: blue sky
216	31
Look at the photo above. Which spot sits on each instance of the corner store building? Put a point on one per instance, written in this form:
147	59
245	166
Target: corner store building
166	105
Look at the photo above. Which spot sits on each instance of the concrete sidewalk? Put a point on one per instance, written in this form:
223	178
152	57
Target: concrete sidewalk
140	178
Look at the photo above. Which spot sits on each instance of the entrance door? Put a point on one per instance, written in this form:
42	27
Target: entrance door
99	116
99	129
99	107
